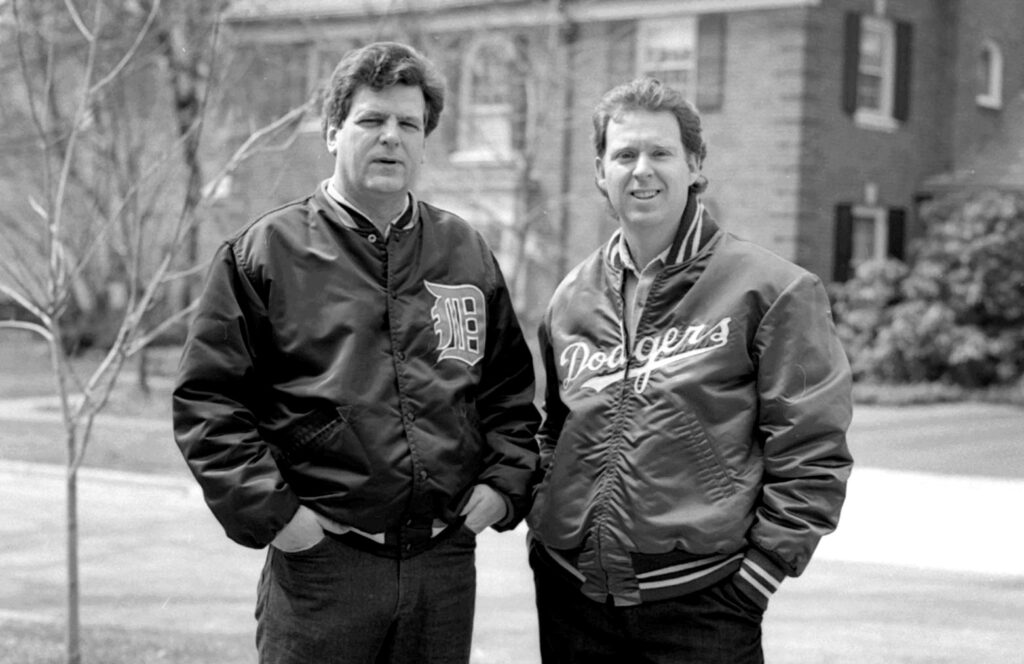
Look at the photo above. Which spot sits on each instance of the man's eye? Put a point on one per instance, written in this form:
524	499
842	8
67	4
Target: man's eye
411	125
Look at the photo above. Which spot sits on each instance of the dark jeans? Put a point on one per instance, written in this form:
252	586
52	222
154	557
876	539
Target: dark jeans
717	625
339	604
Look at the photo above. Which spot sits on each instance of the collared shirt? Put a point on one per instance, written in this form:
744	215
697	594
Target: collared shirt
637	282
352	220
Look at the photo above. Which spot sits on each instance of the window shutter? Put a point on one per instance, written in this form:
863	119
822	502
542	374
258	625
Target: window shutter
901	96
897	247
710	61
843	242
851	62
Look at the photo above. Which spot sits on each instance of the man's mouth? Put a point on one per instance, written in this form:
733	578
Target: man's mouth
644	194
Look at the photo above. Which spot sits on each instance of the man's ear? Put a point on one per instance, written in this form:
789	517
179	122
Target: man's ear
599	176
332	139
695	170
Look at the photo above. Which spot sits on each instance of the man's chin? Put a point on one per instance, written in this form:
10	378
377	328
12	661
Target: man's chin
385	186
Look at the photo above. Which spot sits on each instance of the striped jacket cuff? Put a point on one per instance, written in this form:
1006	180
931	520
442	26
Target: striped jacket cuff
758	577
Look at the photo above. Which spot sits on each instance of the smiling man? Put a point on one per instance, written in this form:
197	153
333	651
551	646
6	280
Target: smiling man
356	394
694	439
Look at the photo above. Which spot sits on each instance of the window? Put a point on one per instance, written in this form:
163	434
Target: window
491	91
990	76
687	53
876	76
865	233
875	70
667	50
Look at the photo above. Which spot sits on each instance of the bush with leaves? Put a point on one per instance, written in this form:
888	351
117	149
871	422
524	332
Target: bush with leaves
956	314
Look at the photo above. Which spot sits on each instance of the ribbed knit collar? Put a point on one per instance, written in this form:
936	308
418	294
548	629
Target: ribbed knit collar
354	218
695	230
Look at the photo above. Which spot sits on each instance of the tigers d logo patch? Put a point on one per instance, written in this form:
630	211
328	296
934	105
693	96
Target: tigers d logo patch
460	321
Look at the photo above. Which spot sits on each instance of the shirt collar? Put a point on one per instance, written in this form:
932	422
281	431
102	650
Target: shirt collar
402	220
685	248
625	258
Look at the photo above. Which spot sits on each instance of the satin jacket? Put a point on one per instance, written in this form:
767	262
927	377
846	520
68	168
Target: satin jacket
373	379
721	429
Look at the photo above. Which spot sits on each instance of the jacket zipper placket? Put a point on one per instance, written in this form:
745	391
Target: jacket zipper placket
613	453
419	473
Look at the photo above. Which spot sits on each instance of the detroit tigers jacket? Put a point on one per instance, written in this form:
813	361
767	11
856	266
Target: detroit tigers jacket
716	440
374	380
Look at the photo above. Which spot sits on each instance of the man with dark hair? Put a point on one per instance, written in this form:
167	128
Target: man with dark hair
356	392
694	440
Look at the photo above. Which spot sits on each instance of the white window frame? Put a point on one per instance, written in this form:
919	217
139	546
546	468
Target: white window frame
684	28
470	149
879	216
991	55
880	117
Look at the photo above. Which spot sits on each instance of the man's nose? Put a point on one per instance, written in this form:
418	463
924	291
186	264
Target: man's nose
389	131
643	167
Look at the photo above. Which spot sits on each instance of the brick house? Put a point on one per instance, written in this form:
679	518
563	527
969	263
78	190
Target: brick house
828	121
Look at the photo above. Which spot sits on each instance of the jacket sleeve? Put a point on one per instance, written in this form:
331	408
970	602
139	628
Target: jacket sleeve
504	402
213	405
555	410
805	406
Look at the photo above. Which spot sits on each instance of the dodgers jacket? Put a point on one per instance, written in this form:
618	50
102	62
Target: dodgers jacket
373	380
720	435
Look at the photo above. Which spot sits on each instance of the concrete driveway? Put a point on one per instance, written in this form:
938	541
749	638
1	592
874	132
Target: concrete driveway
925	567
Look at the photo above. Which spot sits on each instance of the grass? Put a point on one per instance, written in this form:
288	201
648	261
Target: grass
42	643
917	394
127	445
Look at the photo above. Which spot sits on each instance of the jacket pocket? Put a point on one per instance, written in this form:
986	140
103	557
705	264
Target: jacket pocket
711	470
322	434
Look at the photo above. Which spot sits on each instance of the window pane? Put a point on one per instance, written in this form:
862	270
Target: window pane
667	50
876	73
863	244
490	81
872	49
869	91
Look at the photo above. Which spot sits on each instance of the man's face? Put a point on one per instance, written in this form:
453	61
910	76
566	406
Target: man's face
379	146
645	170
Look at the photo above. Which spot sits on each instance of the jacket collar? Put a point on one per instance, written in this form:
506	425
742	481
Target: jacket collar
351	217
695	230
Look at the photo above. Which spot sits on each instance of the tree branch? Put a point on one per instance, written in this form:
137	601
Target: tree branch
23	325
131	51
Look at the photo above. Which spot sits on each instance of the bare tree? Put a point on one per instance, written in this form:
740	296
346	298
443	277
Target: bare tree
105	193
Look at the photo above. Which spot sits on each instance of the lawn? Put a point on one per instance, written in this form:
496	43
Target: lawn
140	441
40	643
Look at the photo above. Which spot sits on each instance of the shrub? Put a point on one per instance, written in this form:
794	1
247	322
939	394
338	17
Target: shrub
956	313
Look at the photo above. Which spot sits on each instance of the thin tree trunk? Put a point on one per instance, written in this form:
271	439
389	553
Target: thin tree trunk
74	653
